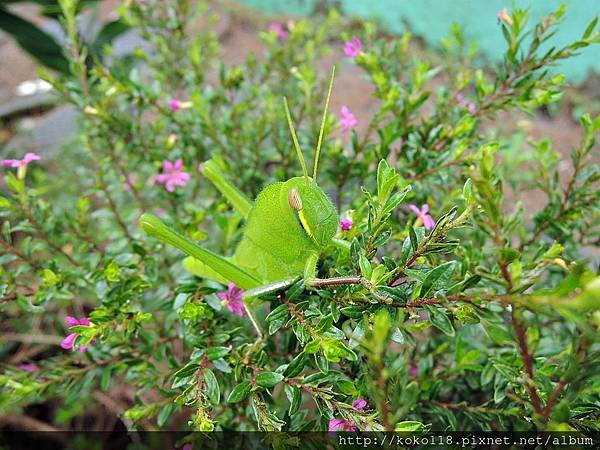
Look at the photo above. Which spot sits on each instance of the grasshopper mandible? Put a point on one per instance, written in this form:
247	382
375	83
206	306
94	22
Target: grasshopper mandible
287	228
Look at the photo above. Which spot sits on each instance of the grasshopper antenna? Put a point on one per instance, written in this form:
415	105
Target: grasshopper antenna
295	138
322	130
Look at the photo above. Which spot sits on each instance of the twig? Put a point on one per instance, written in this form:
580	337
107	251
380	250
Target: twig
134	190
24	422
553	397
10	249
383	405
32	338
473	409
254	322
527	361
322	282
111	203
45	237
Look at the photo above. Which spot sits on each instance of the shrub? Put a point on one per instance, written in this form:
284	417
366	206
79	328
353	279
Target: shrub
472	313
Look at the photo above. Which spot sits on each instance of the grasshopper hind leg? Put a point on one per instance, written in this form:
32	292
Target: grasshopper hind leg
202	270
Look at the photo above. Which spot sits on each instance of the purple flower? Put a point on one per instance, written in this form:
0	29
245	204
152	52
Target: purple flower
341	425
359	404
346	224
280	30
352	47
472	108
422	214
233	297
173	175
347	119
413	370
29	157
28	367
67	343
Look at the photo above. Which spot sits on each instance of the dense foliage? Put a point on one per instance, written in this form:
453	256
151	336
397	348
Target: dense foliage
486	319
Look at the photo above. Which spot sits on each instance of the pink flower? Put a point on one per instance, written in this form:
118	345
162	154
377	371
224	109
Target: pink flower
29	157
352	47
503	16
341	425
346	223
413	371
28	367
280	30
233	297
347	119
422	214
67	343
176	105
160	211
359	404
173	175
462	103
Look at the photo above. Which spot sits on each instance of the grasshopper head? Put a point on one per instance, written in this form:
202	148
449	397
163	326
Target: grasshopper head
313	209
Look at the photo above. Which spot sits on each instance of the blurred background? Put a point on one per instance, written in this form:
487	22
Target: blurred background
31	36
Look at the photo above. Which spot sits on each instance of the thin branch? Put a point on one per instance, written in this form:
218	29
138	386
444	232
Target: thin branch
527	361
46	339
45	237
553	397
10	249
337	281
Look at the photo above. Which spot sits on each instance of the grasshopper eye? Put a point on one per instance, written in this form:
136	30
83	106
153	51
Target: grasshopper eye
294	200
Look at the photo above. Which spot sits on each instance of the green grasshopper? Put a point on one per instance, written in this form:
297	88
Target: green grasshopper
287	229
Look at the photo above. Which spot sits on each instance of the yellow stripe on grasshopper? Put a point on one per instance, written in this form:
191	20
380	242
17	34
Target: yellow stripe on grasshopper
304	223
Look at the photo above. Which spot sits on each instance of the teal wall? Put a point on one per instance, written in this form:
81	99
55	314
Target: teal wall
431	19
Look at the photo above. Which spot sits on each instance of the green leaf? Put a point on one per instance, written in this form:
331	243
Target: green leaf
313	346
268	379
413	239
497	333
186	370
112	272
280	311
295	366
165	413
216	353
440	320
365	266
34	41
277	318
443	270
240	392
347	387
276	324
107	34
590	28
468	191
294	396
213	392
409	426
105	381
